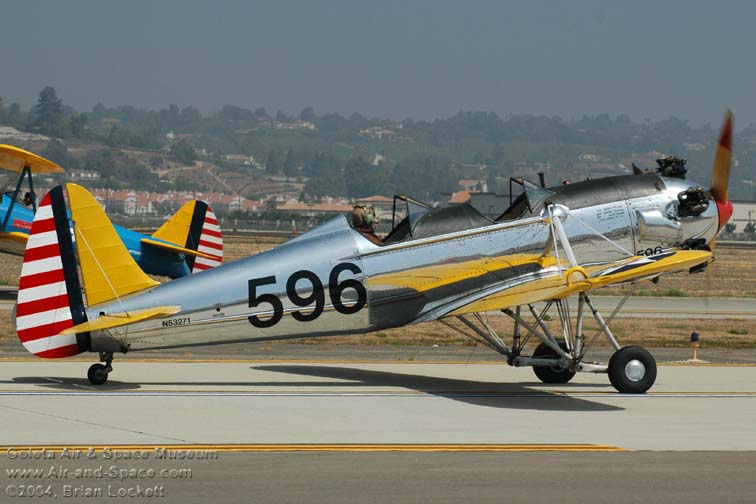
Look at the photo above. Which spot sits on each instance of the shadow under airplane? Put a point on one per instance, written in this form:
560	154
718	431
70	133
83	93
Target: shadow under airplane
478	393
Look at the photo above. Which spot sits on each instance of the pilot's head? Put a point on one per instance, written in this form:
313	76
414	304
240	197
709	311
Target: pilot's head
363	217
28	198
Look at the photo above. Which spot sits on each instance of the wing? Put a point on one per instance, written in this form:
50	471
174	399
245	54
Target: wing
551	282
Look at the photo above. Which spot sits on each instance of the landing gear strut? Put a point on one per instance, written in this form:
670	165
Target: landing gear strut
98	373
632	370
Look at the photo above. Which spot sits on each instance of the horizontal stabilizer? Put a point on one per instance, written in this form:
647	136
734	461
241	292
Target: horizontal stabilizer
15	236
175	248
120	319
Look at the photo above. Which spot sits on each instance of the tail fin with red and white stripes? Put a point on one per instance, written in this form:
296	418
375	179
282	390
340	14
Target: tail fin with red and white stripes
195	227
49	292
205	236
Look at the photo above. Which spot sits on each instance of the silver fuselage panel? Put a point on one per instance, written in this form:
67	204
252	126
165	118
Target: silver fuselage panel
332	280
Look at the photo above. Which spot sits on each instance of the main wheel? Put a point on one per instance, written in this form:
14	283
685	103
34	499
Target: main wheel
97	374
551	374
632	370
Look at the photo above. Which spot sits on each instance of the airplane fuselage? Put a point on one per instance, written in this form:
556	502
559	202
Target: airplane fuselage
332	280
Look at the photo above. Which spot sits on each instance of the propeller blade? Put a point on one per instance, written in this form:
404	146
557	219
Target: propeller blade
720	176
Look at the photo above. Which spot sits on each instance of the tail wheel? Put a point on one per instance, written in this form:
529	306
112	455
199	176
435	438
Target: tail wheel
632	370
551	374
97	374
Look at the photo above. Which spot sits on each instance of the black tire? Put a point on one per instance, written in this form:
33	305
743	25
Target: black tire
632	370
97	374
551	374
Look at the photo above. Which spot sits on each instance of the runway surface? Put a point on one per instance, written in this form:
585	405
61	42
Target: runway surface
277	431
334	478
689	408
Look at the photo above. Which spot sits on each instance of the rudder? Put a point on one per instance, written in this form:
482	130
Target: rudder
205	236
49	292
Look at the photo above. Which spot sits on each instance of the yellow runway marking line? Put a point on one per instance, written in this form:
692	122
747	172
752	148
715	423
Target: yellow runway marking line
325	448
708	364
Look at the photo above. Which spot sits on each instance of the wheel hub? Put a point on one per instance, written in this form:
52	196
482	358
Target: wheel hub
635	370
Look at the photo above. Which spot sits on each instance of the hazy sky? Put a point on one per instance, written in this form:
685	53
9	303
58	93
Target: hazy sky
422	59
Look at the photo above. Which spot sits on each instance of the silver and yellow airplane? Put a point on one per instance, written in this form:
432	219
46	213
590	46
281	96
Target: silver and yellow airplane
435	265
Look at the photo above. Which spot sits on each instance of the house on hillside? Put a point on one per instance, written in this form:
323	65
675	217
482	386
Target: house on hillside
473	185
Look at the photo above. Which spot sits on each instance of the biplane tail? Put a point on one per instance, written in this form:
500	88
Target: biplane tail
50	302
195	228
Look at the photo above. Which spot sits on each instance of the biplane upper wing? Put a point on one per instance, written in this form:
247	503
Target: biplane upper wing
16	159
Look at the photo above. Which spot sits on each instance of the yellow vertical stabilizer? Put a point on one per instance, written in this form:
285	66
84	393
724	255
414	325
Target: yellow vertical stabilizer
107	269
176	229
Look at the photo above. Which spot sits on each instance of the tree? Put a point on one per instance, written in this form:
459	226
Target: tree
261	113
47	115
273	164
76	125
14	115
290	165
308	114
363	179
115	137
281	117
98	111
234	113
183	152
326	178
56	151
190	115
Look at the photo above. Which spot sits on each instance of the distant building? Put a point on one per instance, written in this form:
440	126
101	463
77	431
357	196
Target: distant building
310	210
473	185
82	175
459	198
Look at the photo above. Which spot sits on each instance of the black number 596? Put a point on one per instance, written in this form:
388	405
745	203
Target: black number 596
317	296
